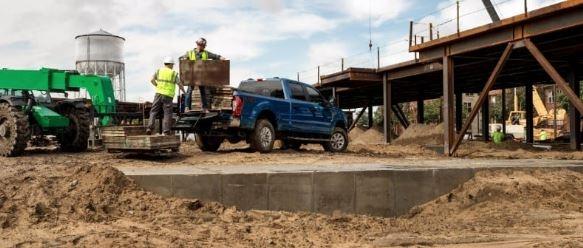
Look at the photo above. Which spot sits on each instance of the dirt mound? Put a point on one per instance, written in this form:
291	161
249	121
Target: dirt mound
356	132
96	205
373	135
500	206
514	150
88	193
421	134
505	199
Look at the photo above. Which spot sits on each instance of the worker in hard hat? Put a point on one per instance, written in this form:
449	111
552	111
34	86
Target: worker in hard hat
497	136
165	80
197	54
543	135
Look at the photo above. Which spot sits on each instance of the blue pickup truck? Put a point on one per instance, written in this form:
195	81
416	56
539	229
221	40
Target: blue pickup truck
265	110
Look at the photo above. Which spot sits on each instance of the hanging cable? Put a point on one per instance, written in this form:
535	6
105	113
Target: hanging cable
369	26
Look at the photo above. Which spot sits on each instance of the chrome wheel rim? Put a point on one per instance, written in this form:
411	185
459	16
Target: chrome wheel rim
337	141
265	136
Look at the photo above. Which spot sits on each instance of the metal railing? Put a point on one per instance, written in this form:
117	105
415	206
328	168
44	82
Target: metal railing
447	20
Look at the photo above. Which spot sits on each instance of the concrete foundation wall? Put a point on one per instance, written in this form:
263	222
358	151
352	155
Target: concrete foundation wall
380	193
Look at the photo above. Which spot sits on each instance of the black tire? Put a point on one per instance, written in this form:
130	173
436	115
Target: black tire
263	136
208	143
338	141
290	144
74	138
14	131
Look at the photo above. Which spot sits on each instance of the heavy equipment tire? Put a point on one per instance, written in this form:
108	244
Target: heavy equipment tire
338	141
208	143
14	131
290	144
74	138
263	136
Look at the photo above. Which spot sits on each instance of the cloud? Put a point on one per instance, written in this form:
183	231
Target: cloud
379	11
41	33
324	52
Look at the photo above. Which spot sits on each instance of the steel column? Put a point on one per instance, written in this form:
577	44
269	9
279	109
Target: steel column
387	102
336	97
420	111
448	85
483	95
486	119
458	111
574	115
370	117
529	114
504	111
420	106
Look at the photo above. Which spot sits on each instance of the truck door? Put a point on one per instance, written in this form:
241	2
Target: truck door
300	108
321	111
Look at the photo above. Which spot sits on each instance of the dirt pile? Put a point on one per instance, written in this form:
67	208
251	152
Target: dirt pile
356	132
506	206
96	205
514	150
550	189
373	135
421	134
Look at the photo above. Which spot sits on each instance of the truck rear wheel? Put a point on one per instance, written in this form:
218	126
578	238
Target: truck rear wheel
74	138
14	131
208	143
263	136
338	141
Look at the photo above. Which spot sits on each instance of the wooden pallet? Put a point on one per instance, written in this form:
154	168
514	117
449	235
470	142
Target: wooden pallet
134	139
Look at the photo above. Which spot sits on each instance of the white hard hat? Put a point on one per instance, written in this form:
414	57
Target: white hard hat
168	60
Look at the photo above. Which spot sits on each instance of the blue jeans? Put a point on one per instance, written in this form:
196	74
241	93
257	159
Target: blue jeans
188	97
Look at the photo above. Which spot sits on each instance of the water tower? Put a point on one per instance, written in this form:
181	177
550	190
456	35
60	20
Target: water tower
101	53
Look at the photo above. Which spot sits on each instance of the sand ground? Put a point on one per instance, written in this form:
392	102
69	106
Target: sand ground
49	198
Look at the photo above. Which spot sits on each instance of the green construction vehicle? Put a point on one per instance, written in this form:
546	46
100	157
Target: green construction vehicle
27	110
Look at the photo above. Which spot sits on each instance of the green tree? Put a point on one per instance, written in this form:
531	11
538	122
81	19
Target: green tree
432	113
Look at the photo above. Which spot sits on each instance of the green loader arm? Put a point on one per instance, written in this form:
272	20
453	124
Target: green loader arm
51	80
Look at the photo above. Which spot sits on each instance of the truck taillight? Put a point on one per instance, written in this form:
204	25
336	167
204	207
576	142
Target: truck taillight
237	106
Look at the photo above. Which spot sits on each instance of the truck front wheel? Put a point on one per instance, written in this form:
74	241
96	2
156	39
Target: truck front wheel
338	141
263	136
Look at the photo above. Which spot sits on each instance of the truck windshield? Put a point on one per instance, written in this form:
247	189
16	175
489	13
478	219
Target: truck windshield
263	88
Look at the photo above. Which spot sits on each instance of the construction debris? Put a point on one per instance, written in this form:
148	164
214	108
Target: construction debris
134	139
219	98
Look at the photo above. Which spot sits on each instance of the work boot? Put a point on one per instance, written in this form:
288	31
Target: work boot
148	131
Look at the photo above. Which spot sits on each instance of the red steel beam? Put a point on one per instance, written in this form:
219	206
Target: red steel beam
483	96
552	72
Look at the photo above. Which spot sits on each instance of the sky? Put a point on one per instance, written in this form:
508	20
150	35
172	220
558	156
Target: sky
262	38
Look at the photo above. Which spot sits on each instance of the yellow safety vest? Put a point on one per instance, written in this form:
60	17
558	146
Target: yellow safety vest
166	82
192	55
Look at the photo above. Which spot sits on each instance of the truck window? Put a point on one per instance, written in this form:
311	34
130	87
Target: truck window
297	92
314	95
263	88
